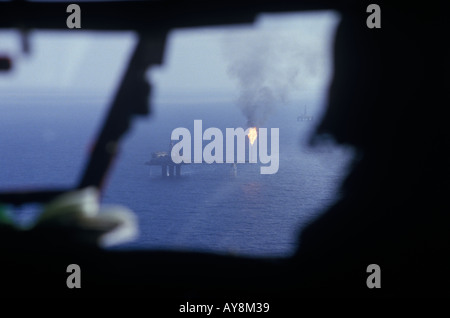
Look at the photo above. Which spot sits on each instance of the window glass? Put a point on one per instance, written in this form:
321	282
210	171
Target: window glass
53	101
273	74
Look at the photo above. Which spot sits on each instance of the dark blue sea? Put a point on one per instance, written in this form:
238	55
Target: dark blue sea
209	208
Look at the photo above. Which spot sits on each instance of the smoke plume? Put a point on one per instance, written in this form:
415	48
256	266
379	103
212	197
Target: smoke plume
266	68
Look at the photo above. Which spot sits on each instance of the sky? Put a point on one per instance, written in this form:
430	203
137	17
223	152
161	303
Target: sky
196	60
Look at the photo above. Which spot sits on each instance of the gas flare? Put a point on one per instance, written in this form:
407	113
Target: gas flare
252	134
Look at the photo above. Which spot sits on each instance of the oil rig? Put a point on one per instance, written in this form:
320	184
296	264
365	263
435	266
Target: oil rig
304	116
169	168
164	159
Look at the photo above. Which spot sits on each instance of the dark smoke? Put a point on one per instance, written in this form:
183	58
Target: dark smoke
266	71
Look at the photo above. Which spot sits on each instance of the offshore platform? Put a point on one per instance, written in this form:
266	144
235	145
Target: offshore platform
164	159
304	116
170	168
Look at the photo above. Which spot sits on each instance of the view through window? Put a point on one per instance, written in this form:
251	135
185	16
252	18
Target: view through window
273	74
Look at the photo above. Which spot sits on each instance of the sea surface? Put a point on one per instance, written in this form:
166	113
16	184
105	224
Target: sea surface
210	207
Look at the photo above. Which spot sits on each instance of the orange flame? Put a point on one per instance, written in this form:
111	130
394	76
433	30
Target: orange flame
252	134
